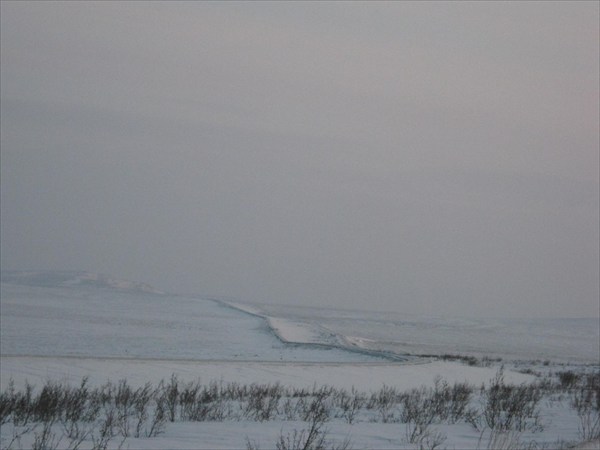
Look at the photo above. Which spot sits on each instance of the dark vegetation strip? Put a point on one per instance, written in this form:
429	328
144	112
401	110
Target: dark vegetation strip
113	412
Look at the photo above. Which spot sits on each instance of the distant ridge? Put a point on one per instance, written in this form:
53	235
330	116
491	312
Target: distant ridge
51	278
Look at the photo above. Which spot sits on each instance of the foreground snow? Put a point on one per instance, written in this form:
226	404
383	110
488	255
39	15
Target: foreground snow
381	436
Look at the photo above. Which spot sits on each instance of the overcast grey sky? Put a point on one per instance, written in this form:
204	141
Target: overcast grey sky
426	157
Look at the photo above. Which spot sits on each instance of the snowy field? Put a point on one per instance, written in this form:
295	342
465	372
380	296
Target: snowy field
66	326
559	340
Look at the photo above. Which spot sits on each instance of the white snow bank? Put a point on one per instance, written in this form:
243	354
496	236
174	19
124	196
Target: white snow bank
288	330
302	332
244	307
293	331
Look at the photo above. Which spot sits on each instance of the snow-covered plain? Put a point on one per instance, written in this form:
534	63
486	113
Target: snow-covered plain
559	340
64	326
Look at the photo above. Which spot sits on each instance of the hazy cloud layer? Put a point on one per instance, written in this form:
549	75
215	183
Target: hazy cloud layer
420	157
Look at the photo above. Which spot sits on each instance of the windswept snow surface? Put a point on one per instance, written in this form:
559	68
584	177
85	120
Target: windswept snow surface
83	314
559	340
69	325
92	321
308	332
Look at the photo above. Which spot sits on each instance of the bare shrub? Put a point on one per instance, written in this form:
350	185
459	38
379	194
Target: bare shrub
263	401
447	403
78	411
169	396
470	360
102	437
189	397
567	379
473	417
430	439
47	405
46	439
586	402
460	397
18	432
318	410
7	402
350	403
141	401
313	438
507	407
496	439
301	440
384	401
124	401
103	414
200	403
290	408
23	405
159	419
78	435
251	445
418	411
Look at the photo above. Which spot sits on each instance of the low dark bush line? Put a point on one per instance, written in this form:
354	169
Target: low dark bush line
119	411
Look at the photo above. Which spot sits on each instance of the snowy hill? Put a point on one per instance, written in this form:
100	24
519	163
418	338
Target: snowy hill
74	278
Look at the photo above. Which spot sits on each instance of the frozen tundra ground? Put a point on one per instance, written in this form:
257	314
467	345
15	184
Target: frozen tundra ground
258	376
